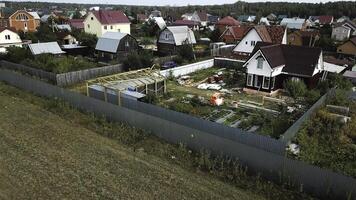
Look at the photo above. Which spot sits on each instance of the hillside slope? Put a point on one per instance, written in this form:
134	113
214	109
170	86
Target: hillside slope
44	156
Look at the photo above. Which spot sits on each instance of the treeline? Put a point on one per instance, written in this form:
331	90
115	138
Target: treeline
337	9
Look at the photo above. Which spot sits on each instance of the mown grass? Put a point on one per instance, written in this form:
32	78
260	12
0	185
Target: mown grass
50	150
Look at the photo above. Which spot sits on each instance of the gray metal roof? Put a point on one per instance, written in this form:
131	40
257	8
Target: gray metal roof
293	23
182	34
109	41
48	47
63	27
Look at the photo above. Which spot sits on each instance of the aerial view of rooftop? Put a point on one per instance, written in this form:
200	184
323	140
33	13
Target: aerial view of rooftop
201	99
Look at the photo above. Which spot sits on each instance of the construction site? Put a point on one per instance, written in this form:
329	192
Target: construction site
217	94
134	85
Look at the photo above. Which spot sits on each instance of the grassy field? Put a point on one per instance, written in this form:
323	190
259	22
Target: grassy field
51	151
43	155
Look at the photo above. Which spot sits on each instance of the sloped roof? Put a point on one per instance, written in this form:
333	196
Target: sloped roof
35	15
109	41
63	27
270	34
293	23
238	32
8	28
325	19
298	60
182	34
185	22
160	22
203	16
77	23
48	47
111	17
228	21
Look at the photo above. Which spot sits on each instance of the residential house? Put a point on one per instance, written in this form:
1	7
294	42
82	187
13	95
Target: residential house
24	21
172	37
45	48
272	17
264	21
271	65
194	25
343	31
160	23
226	22
63	27
213	19
246	18
303	38
348	48
115	45
77	23
9	38
322	20
66	38
342	19
155	13
294	23
4	17
102	21
260	33
200	17
281	17
234	34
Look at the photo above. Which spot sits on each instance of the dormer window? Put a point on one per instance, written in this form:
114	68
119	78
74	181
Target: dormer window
92	18
259	62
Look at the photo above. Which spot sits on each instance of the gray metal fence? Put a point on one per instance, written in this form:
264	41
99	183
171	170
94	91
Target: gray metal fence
292	131
320	182
227	63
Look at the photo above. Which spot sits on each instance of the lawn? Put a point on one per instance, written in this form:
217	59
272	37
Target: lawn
51	151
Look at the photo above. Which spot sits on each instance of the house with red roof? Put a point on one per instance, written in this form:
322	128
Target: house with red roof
234	34
102	21
226	22
322	20
260	33
77	23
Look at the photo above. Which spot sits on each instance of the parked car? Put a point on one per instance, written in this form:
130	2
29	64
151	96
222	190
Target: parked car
169	65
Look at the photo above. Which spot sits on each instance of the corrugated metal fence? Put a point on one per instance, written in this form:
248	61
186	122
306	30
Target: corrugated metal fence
320	182
187	69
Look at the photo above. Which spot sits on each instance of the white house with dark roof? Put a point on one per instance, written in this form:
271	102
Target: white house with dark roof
174	36
102	21
271	65
261	33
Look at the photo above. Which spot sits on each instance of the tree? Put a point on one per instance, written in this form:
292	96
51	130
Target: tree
186	51
215	35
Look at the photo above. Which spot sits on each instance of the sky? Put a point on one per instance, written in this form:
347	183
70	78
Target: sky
170	2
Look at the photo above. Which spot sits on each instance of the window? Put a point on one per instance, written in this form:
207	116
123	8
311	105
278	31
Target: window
105	27
259	63
22	17
253	43
258	81
111	27
25	24
266	82
166	37
249	79
118	30
246	42
127	44
88	25
7	37
92	18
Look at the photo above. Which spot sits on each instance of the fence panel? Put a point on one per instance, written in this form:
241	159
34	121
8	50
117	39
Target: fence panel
187	69
228	63
70	78
321	182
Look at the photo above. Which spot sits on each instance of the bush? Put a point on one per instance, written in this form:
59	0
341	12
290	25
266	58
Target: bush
178	59
311	96
295	88
339	97
186	52
135	61
16	54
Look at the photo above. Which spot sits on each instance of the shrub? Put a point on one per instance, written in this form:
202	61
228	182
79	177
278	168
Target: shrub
138	61
17	54
186	52
338	97
295	88
311	96
178	59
